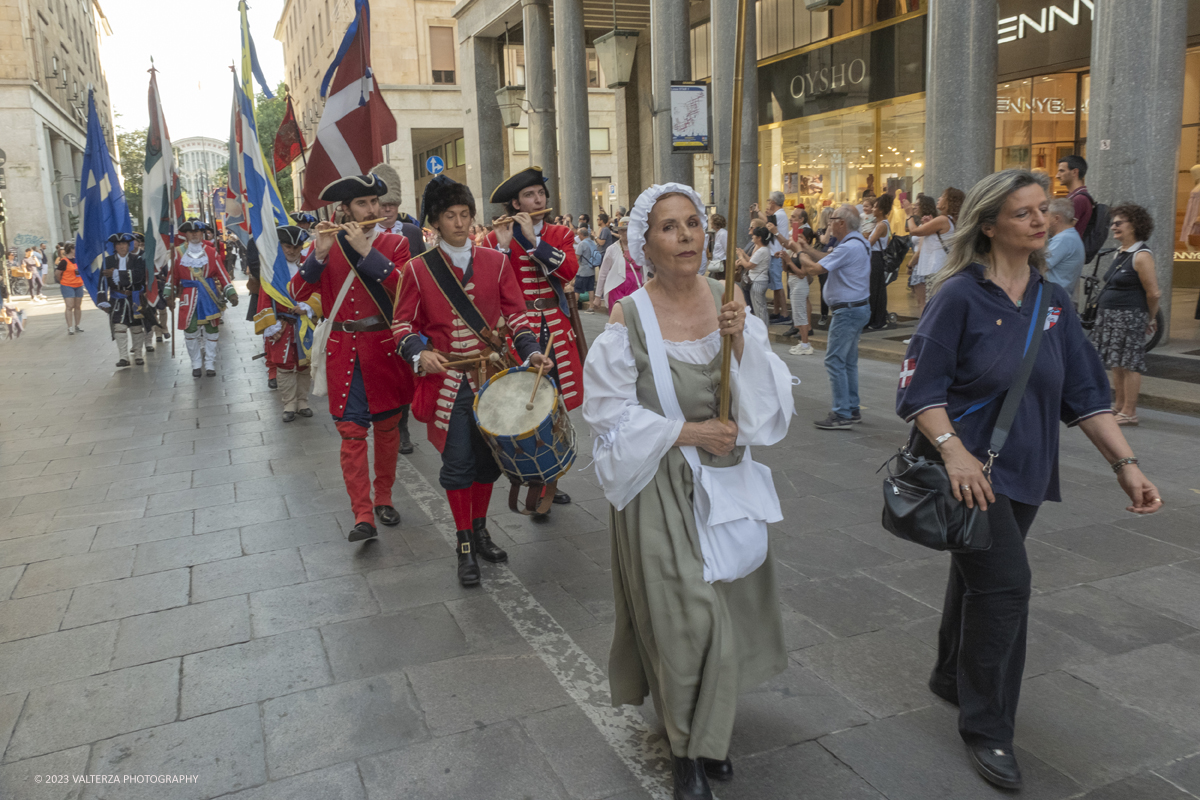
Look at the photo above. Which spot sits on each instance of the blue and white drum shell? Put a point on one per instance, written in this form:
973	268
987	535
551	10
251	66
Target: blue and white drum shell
531	445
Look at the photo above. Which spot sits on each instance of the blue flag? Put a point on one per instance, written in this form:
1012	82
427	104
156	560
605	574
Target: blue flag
102	207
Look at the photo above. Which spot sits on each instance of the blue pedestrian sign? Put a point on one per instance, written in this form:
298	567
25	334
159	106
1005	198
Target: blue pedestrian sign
434	165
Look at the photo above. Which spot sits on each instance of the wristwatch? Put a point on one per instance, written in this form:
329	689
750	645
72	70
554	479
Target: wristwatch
941	440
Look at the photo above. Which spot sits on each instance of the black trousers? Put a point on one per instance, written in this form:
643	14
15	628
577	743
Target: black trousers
466	458
981	644
824	276
879	296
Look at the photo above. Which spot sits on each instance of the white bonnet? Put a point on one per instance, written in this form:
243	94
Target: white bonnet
639	218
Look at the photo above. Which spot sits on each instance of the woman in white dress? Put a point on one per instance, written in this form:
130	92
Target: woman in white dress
692	628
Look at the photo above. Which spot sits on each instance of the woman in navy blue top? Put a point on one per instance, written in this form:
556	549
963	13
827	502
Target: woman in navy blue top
965	354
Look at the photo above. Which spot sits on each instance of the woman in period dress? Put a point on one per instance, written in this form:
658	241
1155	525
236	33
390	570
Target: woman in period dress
692	645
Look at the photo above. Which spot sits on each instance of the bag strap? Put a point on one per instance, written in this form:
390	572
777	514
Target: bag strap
341	296
1033	342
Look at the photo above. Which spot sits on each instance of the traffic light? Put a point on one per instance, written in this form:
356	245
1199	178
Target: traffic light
3	211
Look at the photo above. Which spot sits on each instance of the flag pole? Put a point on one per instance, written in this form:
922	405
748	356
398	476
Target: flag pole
735	162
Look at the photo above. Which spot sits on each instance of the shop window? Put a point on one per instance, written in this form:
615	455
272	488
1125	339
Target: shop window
441	54
595	71
599	140
1039	121
460	151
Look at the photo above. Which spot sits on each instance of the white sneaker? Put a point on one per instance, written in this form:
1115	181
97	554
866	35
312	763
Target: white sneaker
801	349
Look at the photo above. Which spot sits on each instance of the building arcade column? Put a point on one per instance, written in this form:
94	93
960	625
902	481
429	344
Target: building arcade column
539	92
483	129
570	51
960	95
671	59
724	32
1136	114
64	182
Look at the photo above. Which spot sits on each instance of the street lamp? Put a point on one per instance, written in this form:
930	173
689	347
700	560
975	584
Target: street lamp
615	50
511	100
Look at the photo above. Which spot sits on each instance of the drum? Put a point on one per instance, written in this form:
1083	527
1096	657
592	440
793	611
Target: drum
531	447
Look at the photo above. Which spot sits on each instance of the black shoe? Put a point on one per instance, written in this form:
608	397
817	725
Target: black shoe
484	546
690	780
406	447
305	412
288	416
158	338
212	373
468	567
997	765
122	363
361	531
166	336
717	770
149	349
197	372
834	423
855	417
780	319
272	384
388	515
561	498
139	361
792	331
944	688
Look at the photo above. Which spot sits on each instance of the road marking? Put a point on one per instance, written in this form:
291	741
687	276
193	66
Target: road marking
625	731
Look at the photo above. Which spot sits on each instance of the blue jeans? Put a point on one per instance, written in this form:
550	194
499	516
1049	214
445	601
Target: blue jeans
841	357
775	274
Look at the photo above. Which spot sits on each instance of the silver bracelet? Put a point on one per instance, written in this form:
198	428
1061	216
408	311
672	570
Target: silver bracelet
1116	465
941	440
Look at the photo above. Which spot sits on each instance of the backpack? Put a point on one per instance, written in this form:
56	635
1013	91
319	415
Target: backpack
1095	233
893	257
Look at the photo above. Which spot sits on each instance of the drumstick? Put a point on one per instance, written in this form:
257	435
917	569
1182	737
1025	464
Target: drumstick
538	382
507	219
493	357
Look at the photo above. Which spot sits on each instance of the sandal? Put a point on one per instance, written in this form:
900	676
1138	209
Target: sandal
1126	420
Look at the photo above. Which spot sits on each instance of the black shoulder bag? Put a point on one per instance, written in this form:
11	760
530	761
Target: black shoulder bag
918	498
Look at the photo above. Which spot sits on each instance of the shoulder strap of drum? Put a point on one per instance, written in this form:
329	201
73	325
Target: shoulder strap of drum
452	289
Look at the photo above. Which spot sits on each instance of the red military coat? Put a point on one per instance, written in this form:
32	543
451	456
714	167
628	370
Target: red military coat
535	275
213	274
388	386
291	350
424	310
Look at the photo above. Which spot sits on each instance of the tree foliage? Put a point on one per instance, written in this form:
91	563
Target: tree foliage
269	114
132	145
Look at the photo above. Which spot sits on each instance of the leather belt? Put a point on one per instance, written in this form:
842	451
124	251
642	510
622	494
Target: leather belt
855	304
365	325
541	304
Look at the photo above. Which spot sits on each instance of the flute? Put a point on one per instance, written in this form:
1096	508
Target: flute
366	224
507	219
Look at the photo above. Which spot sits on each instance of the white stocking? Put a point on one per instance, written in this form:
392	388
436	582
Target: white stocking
210	349
195	348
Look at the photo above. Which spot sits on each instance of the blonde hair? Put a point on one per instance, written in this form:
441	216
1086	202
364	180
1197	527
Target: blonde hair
982	206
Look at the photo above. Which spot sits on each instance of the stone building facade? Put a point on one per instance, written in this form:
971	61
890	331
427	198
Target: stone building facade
198	159
49	57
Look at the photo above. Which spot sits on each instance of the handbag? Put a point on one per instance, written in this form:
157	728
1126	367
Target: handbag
731	505
918	497
316	364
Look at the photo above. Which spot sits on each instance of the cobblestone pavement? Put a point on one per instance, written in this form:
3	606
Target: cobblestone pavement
178	598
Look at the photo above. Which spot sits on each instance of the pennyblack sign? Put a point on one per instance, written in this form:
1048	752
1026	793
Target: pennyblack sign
884	63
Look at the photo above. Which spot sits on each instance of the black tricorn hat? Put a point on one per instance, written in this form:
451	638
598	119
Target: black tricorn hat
511	188
343	190
292	234
305	217
121	237
141	237
442	193
193	225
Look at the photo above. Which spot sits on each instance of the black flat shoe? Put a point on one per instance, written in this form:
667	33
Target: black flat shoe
717	770
288	416
272	384
166	336
690	780
943	688
122	363
212	373
484	546
997	765
468	566
149	349
197	372
305	412
361	531
139	361
406	448
792	331
388	515
561	498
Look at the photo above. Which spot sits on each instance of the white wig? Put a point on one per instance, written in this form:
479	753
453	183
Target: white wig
639	218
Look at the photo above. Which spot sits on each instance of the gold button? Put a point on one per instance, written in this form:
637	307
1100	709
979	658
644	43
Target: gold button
999	322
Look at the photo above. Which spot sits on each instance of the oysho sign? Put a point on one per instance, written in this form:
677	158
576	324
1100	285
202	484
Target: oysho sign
827	79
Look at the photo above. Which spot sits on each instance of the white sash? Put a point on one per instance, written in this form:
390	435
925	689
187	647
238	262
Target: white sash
316	363
732	505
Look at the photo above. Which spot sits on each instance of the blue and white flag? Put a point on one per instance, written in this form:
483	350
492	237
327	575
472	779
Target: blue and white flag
102	207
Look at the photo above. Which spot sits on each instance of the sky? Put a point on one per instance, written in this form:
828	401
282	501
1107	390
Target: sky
193	45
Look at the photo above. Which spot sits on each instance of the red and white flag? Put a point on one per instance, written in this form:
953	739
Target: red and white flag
356	122
907	370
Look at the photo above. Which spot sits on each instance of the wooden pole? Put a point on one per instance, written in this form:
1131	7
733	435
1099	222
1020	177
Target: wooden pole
735	162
